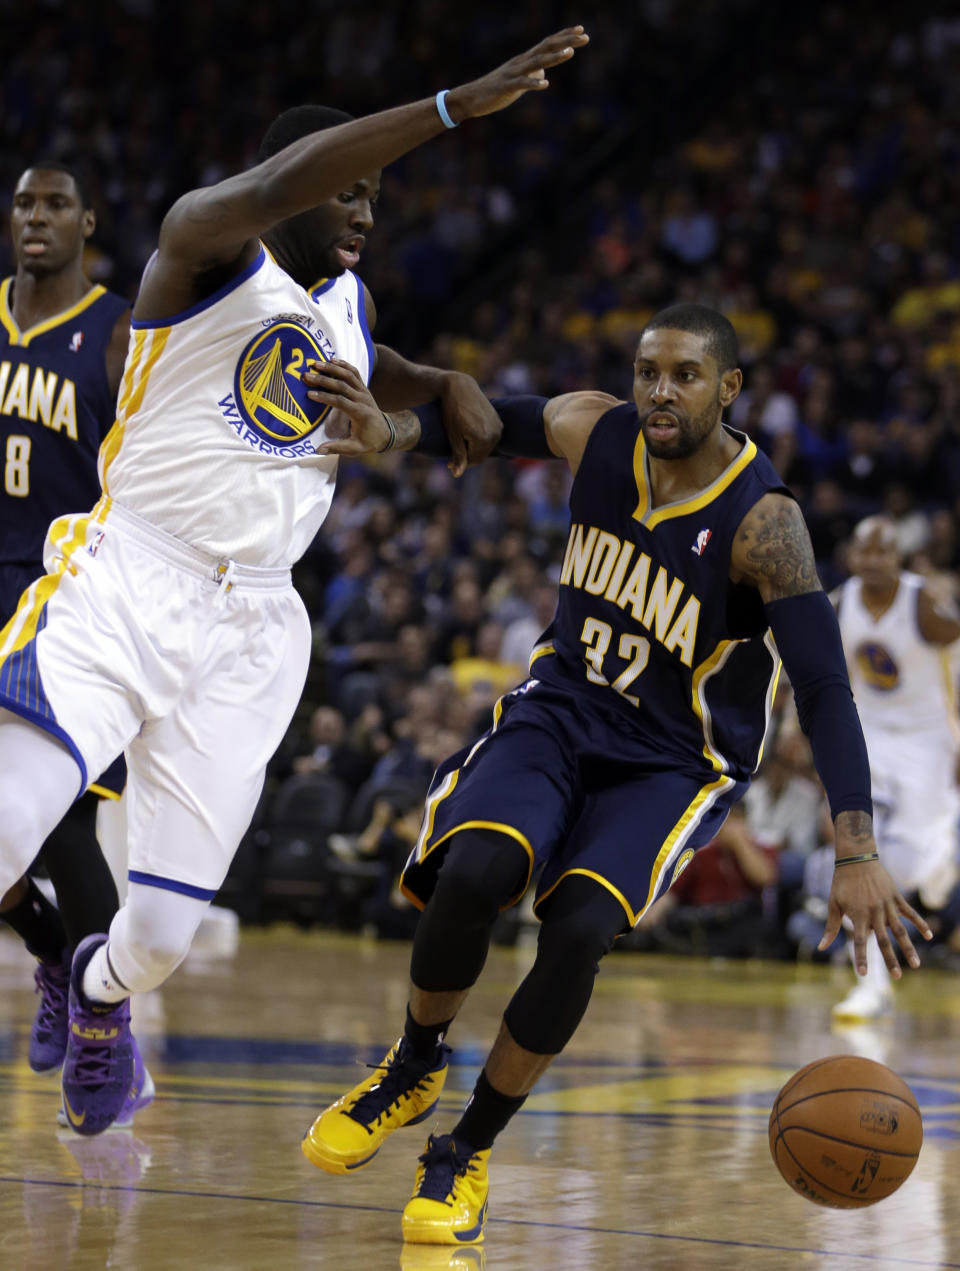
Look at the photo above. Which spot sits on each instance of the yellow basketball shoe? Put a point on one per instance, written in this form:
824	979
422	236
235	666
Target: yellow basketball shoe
449	1202
401	1090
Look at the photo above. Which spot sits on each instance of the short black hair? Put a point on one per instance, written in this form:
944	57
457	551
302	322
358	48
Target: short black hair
721	337
57	165
297	122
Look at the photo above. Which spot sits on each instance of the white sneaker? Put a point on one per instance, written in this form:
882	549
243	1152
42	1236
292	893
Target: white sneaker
864	1001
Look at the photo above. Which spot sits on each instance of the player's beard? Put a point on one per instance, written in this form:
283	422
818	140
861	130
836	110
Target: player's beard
691	432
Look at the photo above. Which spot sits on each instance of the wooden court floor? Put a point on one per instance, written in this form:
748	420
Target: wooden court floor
644	1147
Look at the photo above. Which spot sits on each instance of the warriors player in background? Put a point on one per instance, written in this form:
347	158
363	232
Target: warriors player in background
897	638
688	574
167	625
63	341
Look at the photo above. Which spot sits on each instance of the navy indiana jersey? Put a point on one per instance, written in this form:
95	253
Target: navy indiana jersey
55	409
648	623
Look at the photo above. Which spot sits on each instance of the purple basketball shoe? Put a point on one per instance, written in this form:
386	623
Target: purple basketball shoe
100	1064
48	1036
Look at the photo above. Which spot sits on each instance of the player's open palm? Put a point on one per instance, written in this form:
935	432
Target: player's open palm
338	384
868	898
522	74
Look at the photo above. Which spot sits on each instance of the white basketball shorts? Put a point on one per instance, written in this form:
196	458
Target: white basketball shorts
193	667
916	803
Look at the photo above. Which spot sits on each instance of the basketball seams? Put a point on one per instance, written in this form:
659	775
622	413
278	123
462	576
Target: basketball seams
838	1131
834	1138
851	1202
819	1094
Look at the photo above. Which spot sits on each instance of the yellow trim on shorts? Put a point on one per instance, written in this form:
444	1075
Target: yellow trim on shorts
663	855
103	793
501	828
597	878
132	390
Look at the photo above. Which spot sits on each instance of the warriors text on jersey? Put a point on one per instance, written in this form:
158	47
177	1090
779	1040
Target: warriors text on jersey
215	436
648	622
56	407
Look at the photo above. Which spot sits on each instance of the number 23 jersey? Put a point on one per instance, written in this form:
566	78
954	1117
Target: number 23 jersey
648	622
215	439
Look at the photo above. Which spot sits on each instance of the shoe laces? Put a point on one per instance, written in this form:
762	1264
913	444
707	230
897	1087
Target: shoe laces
403	1076
52	983
442	1166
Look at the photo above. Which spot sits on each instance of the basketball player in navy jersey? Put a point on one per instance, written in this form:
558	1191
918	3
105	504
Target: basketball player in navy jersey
688	575
63	341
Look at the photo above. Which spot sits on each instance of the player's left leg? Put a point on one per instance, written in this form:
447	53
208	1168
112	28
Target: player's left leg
579	927
195	777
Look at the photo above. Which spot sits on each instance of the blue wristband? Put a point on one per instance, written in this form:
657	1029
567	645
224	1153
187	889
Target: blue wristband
442	108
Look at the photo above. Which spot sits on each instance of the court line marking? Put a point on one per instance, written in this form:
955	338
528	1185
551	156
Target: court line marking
505	1222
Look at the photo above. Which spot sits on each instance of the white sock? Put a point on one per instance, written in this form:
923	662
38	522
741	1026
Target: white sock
99	984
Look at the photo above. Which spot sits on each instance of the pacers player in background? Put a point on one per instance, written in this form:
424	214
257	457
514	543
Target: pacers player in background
63	342
688	574
167	626
900	643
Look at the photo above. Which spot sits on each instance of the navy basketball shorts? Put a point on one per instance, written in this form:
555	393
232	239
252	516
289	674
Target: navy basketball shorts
580	794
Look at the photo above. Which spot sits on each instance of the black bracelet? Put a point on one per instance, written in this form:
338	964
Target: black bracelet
392	439
857	860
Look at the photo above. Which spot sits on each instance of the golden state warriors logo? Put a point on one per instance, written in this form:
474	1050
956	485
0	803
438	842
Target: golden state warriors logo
268	389
877	666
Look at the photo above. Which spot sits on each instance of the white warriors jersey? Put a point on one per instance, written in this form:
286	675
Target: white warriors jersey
215	436
901	682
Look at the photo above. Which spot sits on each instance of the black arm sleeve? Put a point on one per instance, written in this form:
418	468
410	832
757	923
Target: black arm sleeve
808	640
523	434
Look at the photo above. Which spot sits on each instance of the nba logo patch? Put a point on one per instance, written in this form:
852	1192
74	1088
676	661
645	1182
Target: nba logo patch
76	340
349	309
703	538
94	545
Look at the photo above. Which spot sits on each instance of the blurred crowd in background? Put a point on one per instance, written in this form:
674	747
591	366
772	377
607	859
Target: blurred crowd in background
798	170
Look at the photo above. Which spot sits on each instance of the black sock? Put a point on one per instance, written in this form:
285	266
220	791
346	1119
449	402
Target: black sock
39	925
485	1115
425	1039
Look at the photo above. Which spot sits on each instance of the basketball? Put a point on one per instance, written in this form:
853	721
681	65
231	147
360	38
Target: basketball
845	1132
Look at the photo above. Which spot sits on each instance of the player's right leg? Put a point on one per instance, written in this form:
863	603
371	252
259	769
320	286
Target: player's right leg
481	872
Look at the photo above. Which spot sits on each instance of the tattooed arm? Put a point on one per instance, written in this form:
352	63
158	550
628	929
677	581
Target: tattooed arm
772	552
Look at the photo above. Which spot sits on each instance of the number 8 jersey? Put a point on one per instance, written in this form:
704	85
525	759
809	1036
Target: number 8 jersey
56	407
648	623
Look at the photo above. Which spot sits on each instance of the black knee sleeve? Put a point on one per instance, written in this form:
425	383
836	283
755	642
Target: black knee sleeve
86	892
579	928
481	871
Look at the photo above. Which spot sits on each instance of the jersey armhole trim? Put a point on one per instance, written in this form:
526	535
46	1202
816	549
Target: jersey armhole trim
185	314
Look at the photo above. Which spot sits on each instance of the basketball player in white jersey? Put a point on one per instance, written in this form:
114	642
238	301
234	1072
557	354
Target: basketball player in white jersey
901	646
167	626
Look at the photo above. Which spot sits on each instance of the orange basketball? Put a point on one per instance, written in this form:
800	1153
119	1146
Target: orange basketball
845	1132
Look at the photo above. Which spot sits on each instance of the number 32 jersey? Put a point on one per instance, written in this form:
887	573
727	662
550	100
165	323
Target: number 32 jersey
648	623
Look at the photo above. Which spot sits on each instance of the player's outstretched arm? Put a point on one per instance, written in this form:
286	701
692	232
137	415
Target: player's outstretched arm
215	225
534	427
772	552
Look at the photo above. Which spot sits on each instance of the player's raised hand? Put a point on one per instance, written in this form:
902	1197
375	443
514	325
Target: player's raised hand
522	74
338	384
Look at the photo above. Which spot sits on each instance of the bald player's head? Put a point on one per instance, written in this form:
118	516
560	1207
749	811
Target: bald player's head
875	553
